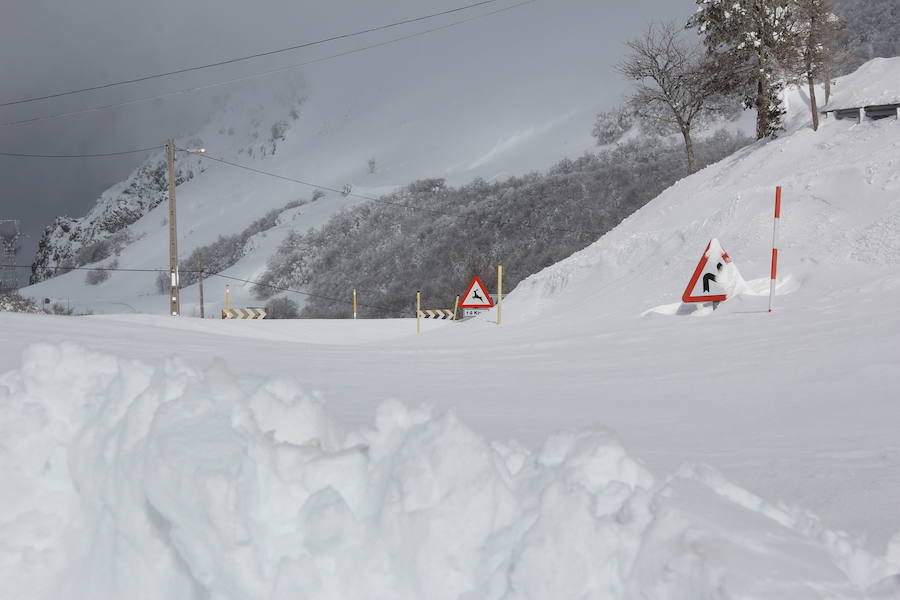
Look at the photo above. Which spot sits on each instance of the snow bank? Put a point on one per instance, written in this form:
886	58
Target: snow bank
127	480
839	223
875	82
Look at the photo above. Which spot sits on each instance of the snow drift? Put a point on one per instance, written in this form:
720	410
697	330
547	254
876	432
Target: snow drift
840	220
160	481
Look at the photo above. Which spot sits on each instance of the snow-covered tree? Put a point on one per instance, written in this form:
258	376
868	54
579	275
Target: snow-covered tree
873	30
612	125
677	85
756	39
433	237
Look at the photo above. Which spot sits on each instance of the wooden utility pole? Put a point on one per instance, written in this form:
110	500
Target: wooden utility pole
174	302
200	283
499	294
418	311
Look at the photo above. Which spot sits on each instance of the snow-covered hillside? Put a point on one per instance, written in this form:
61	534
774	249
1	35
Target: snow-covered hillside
841	217
755	454
299	136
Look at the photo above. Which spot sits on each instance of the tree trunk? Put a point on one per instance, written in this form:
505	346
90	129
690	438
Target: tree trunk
812	101
762	101
689	149
762	110
827	84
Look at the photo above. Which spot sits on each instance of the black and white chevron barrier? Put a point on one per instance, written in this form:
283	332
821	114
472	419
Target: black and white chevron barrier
245	313
437	313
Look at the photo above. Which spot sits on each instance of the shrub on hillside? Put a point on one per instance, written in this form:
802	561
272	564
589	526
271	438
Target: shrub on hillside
96	276
13	302
282	308
100	274
163	282
434	238
228	249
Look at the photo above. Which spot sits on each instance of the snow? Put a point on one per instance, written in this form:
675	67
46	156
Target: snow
339	126
165	481
223	200
873	83
755	455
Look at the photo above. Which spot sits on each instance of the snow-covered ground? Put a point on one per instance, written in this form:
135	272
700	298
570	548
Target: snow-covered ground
873	83
597	444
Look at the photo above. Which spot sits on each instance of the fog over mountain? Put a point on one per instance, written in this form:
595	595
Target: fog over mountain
493	78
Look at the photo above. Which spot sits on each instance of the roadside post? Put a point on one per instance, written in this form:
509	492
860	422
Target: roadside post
200	284
775	248
418	312
499	293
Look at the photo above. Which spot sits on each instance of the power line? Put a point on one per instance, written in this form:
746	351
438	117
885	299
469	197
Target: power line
586	232
65	268
209	274
248	57
104	154
263	73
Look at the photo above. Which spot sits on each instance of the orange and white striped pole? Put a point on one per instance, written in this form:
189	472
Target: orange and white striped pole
775	248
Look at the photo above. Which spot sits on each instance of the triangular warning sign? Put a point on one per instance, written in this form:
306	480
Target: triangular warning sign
706	282
476	296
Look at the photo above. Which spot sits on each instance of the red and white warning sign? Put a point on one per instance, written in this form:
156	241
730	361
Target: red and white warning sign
710	281
476	296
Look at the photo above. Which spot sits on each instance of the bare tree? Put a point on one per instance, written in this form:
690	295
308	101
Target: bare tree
678	84
819	47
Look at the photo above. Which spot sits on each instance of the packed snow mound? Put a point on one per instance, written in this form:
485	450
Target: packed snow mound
130	480
840	222
874	83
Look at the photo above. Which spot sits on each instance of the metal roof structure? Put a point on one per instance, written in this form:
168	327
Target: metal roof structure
875	112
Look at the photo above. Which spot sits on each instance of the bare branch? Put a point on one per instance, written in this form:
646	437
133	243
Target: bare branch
676	83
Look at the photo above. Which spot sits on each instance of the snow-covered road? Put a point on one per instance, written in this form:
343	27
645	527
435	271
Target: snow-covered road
799	405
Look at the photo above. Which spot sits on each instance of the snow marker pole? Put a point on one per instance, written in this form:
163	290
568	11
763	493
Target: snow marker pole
455	307
775	248
200	282
354	305
499	293
227	301
418	312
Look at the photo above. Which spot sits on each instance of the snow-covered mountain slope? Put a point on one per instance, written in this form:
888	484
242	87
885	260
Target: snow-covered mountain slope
274	457
297	137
